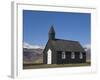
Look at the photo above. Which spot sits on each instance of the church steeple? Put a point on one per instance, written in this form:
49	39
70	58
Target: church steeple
52	33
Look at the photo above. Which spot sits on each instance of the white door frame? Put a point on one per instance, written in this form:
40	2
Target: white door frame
49	56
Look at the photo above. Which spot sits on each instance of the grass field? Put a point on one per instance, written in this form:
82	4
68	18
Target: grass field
39	66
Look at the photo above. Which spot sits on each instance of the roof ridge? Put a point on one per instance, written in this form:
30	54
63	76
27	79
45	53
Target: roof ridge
67	40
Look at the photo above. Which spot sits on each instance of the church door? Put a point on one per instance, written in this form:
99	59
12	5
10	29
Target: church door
49	57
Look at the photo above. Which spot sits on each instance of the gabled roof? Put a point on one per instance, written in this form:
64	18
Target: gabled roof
65	45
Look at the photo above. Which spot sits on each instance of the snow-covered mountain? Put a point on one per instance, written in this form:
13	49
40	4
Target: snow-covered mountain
32	53
30	46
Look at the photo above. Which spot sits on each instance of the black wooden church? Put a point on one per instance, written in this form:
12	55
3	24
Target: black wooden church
59	51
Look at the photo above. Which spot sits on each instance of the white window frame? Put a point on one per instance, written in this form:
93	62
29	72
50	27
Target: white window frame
81	55
63	55
73	55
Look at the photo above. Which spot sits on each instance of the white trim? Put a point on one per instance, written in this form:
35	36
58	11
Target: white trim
49	56
81	55
73	55
63	55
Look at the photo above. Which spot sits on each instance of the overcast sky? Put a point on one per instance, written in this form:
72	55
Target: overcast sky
67	25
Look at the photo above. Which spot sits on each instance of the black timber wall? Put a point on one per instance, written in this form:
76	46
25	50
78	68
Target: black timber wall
68	59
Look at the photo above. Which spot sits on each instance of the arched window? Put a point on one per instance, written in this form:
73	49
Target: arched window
73	55
81	55
63	55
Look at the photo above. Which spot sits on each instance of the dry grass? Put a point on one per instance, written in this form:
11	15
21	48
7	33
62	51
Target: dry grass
39	66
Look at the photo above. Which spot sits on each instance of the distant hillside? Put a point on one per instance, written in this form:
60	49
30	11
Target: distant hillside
88	53
31	56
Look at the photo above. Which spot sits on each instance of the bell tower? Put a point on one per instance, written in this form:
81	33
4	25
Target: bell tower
51	33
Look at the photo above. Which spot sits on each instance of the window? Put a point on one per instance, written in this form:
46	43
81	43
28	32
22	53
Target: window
73	55
63	55
81	55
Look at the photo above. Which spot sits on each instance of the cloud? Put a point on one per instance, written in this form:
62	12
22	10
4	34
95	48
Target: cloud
29	46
